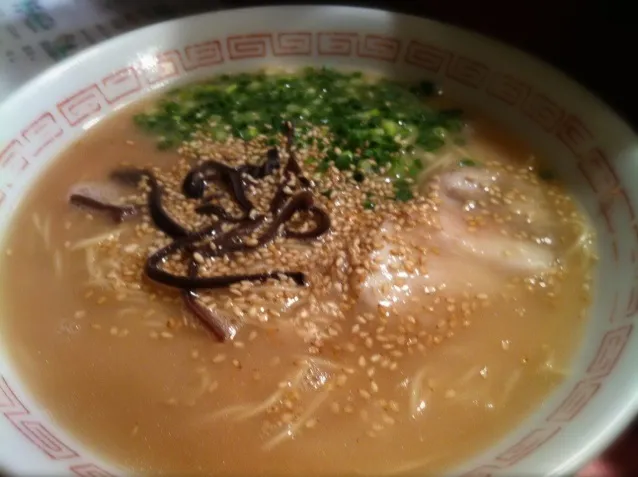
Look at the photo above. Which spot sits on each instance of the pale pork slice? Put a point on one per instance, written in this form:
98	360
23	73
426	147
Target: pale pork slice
453	258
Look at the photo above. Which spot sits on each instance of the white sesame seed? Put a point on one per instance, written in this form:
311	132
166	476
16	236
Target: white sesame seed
389	420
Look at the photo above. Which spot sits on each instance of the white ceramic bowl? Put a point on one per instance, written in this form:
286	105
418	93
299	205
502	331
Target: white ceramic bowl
591	147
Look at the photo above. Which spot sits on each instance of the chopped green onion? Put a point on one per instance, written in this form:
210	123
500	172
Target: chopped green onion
467	162
383	120
402	190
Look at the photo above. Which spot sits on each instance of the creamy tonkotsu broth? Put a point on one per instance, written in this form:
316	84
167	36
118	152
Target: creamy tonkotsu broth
380	285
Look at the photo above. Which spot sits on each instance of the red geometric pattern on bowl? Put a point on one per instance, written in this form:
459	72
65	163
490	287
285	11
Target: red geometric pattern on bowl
507	89
89	470
262	45
199	55
83	105
12	158
379	48
598	171
337	43
609	352
42	132
469	72
526	445
120	85
575	401
427	57
543	111
376	47
20	417
575	135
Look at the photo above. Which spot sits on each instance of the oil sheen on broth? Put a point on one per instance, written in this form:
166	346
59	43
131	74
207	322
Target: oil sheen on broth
440	306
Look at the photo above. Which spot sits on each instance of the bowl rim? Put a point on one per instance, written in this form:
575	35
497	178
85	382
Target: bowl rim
626	413
91	50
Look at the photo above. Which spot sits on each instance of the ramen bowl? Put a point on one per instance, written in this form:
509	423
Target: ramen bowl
590	147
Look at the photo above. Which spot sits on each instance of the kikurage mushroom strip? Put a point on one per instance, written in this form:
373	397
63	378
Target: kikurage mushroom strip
119	213
249	232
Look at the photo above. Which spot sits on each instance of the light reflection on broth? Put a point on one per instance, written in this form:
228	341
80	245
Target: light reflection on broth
459	324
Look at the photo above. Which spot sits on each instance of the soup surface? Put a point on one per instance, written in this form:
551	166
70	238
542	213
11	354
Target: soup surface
313	274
